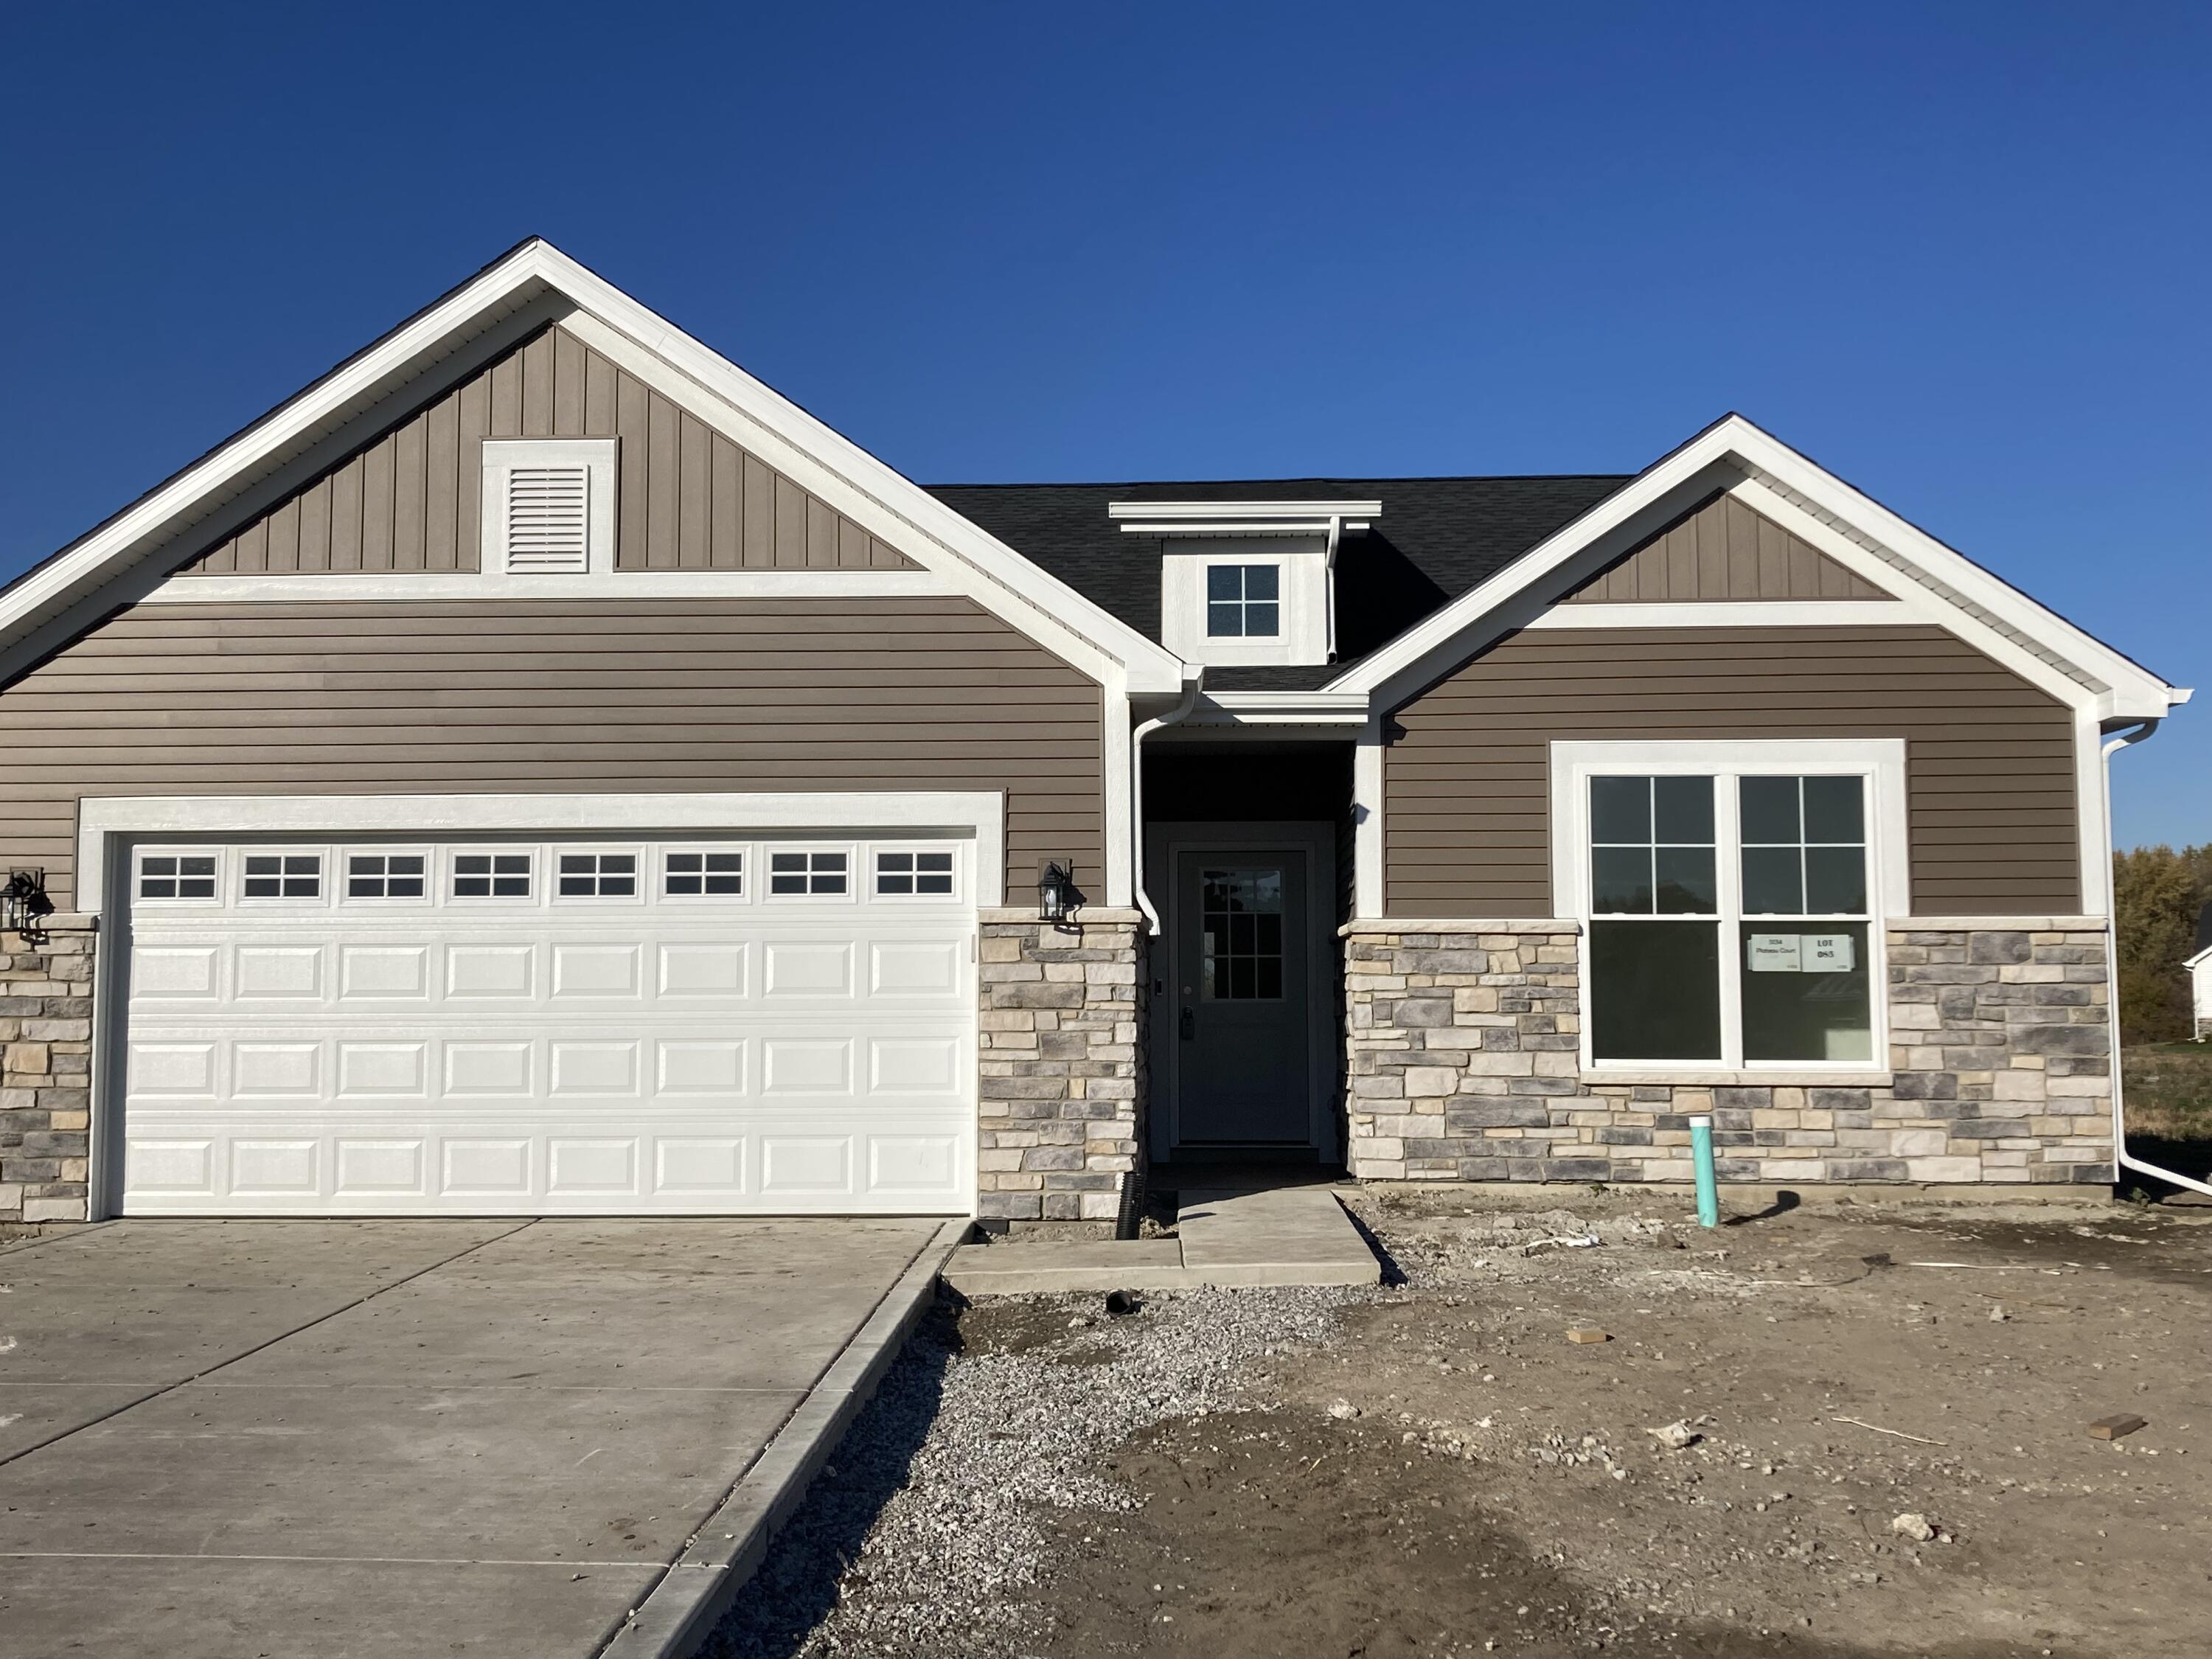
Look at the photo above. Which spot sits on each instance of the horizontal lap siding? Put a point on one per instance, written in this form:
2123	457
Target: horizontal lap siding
482	696
686	498
1989	759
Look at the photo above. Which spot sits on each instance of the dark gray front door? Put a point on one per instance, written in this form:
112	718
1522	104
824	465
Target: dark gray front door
1244	1074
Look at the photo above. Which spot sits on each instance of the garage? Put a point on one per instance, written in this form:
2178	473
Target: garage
545	1025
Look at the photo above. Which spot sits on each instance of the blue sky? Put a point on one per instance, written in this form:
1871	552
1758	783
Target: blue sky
1958	253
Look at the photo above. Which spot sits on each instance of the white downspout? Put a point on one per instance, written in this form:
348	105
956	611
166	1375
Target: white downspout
2121	1154
1173	716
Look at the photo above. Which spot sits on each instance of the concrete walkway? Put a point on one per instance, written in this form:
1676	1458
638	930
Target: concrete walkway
407	1438
1229	1237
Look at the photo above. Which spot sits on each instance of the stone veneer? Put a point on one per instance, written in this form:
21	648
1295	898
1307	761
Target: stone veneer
45	1071
1062	1067
1464	1042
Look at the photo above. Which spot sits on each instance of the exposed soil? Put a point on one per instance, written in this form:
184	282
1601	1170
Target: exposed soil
1436	1470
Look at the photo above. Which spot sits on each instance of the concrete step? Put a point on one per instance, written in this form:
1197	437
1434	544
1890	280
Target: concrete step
1224	1236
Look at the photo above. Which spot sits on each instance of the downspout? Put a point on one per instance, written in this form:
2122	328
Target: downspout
1175	716
2121	1156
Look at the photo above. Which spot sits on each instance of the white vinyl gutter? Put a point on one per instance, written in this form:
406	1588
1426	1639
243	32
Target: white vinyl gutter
2125	1159
1175	715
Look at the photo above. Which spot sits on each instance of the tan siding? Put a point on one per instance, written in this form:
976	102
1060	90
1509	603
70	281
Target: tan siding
484	696
1723	551
410	499
1989	758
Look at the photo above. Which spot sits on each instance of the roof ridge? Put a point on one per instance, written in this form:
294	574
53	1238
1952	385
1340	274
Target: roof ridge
1307	478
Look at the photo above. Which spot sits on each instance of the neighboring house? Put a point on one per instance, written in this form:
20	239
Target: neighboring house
538	768
2200	977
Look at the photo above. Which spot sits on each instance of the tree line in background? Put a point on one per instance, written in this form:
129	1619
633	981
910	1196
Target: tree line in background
2157	896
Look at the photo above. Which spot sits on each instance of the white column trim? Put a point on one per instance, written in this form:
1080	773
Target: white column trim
1367	789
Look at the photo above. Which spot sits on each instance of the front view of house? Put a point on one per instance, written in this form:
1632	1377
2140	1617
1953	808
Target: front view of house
539	770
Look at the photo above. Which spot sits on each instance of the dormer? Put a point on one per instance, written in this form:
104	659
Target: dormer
1247	583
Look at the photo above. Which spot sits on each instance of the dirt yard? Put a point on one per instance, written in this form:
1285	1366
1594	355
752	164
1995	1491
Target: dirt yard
1434	1469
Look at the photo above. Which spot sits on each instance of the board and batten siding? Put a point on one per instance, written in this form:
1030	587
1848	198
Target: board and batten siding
1723	550
1989	758
618	696
687	498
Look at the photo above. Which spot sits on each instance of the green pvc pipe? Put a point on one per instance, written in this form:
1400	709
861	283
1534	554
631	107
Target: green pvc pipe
1701	1154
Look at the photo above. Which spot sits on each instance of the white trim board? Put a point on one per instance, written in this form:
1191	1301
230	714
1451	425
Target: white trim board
1979	607
1732	613
348	586
276	451
981	813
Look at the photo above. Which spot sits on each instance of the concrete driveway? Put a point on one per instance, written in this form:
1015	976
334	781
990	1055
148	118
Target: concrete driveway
394	1438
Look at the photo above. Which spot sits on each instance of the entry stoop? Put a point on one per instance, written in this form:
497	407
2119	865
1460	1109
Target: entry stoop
1229	1237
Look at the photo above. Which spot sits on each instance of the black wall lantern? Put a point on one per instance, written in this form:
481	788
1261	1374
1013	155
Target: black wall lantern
23	903
1056	894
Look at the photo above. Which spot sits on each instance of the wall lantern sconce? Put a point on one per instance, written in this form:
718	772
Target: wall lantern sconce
1056	895
23	903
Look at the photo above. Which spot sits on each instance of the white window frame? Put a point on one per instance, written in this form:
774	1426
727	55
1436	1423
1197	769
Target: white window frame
876	894
342	881
449	867
853	866
1879	762
243	857
502	456
214	900
748	873
641	873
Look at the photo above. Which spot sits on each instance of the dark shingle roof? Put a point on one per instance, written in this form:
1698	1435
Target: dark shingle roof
1436	538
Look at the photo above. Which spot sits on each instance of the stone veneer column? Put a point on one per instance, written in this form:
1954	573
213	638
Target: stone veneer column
45	1071
1463	1045
1062	1082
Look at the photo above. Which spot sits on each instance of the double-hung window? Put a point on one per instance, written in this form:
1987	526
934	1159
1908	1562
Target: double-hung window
1732	905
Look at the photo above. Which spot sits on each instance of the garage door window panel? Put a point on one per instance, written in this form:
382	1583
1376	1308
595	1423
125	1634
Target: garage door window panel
170	875
493	875
586	874
813	873
386	876
280	876
702	875
918	872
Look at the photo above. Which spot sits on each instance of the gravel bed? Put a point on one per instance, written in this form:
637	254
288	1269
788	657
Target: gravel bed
925	1533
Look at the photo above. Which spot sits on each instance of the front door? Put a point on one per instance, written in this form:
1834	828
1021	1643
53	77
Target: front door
1240	998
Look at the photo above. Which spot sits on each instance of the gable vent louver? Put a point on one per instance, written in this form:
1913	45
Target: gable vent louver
547	520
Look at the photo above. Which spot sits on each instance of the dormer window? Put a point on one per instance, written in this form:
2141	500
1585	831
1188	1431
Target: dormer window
548	507
1243	601
1245	583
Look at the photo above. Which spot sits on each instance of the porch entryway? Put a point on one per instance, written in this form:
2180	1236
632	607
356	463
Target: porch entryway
1243	1062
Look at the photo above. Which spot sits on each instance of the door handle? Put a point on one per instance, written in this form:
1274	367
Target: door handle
1188	1025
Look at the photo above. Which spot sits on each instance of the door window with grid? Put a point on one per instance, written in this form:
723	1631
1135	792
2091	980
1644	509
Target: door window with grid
1241	913
1730	918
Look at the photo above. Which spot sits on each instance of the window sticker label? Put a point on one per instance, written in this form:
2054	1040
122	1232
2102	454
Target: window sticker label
1828	953
1775	953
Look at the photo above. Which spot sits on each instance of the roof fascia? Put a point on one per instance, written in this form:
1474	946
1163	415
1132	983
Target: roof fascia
1043	602
1975	601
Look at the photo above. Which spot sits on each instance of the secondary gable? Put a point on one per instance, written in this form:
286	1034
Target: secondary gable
688	498
1723	551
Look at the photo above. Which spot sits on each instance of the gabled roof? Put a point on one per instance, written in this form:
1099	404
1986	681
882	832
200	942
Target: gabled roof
1943	583
533	283
1436	539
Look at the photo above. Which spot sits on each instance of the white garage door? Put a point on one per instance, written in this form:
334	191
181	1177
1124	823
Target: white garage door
595	1026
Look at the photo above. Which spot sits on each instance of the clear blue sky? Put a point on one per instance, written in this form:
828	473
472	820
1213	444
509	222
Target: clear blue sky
1957	253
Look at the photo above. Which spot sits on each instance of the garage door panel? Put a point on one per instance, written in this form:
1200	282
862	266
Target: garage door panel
554	1057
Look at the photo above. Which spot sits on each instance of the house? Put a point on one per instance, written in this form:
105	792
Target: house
538	768
2200	978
